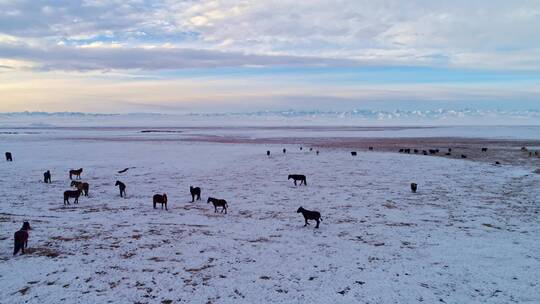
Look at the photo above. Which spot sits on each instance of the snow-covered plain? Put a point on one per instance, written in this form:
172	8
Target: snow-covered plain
470	235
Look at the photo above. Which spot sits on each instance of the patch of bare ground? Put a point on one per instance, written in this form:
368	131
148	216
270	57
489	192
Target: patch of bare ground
43	251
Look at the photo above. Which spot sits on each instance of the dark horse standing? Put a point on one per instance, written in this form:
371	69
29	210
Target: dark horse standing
72	193
160	199
298	177
9	158
77	173
21	238
218	203
122	188
195	192
47	177
310	215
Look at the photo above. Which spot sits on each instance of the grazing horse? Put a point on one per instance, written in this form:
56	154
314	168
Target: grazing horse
77	173
122	188
449	150
415	151
160	199
195	192
47	177
414	186
267	153
370	148
218	203
9	157
284	151
84	187
497	163
424	152
317	152
310	215
298	177
70	193
484	149
21	238
353	153
463	156
300	148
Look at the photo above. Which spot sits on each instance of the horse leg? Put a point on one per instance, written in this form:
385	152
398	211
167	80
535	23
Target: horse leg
317	223
215	209
166	207
225	209
193	198
306	222
295	182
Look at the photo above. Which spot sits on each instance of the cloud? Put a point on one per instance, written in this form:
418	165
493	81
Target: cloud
96	56
468	34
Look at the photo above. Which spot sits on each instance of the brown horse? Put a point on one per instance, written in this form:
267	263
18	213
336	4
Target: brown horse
218	203
77	173
21	238
160	199
81	186
70	193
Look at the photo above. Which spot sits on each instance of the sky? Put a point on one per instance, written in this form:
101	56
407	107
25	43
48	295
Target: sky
218	56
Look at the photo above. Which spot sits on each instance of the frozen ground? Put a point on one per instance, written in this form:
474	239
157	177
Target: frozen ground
470	235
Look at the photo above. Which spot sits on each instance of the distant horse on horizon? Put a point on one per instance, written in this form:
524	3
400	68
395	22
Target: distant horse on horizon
297	177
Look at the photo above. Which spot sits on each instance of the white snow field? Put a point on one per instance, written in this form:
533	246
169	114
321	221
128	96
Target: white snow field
470	235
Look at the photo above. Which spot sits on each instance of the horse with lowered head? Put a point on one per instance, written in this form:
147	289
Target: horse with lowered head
77	173
218	203
84	187
160	199
195	193
298	177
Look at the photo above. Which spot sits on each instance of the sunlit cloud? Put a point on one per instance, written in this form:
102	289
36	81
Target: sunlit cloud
192	55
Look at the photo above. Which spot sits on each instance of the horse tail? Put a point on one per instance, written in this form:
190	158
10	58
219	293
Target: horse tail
17	247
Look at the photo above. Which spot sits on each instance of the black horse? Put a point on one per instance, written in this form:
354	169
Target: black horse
310	215
195	192
122	188
72	193
218	203
298	177
47	177
9	157
414	186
